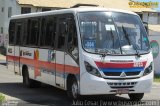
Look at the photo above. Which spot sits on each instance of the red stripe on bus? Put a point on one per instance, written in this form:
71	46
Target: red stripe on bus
47	65
118	65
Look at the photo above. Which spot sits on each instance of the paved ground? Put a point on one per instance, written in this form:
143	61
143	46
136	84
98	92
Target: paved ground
11	86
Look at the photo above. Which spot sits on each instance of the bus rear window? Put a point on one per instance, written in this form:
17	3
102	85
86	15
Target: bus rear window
11	32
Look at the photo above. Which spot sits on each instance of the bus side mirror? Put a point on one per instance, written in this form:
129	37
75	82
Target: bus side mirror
146	26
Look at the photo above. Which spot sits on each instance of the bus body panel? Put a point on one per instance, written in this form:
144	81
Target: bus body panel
13	60
42	66
93	85
17	59
96	85
60	68
10	58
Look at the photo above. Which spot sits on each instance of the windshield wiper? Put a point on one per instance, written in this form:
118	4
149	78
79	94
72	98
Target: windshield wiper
126	35
129	42
103	53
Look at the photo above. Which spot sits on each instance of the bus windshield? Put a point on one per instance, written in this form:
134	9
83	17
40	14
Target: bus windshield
113	33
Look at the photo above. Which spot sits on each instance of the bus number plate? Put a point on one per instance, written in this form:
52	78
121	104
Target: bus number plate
122	91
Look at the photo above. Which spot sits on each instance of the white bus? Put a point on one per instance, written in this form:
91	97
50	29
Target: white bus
85	51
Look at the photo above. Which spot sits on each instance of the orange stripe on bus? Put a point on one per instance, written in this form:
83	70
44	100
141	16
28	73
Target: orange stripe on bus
47	65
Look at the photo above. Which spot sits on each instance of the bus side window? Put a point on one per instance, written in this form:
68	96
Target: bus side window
11	32
42	31
18	33
62	33
54	32
28	32
24	37
34	32
50	31
72	43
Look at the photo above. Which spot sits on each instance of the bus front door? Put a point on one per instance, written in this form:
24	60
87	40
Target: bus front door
60	53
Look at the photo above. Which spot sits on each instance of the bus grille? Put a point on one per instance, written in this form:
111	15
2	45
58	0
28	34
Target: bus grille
117	85
119	73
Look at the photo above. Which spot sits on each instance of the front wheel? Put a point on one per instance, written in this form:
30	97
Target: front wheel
73	90
136	96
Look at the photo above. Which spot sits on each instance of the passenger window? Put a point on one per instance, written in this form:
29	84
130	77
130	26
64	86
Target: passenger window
50	31
54	32
34	35
42	35
62	33
11	32
72	44
24	38
28	31
18	33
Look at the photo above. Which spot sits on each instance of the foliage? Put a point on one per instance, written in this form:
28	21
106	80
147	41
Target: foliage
2	98
157	78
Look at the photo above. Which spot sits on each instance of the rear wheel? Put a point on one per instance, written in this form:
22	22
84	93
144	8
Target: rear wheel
136	96
29	82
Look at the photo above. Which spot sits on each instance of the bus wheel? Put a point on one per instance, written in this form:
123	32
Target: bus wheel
136	96
73	90
29	82
26	79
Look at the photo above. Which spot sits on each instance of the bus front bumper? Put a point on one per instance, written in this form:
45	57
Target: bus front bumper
92	85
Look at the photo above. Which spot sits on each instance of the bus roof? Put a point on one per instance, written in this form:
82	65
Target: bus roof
70	10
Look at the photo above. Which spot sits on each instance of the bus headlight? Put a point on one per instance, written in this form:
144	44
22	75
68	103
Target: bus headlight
90	69
148	69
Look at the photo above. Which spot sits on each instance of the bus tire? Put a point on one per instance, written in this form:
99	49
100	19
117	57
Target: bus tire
136	96
30	83
72	90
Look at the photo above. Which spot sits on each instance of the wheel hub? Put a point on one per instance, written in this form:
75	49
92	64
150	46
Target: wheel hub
75	90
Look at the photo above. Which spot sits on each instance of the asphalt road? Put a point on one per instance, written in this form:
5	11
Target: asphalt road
11	86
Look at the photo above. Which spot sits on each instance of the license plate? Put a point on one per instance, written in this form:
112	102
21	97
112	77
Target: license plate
122	91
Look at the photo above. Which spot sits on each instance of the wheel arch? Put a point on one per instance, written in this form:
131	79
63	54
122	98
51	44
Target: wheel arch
70	77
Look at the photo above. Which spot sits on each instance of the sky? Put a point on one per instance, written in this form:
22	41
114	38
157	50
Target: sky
157	9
